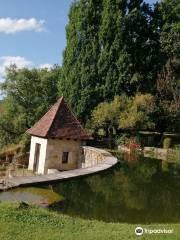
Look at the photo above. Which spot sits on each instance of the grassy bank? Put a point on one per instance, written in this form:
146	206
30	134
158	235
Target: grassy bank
34	223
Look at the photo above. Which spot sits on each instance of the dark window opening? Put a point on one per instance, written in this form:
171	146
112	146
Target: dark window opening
65	157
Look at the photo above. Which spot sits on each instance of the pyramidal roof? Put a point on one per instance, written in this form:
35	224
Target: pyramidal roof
59	122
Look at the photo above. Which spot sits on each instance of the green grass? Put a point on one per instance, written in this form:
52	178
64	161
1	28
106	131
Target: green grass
35	223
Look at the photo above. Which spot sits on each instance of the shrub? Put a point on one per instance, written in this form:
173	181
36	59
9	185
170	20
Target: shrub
122	140
167	142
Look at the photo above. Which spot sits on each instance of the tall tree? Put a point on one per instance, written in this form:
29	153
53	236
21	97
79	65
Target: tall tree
168	81
111	45
117	47
141	38
79	82
170	28
129	46
111	49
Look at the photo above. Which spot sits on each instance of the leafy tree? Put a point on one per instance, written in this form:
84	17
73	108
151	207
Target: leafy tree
170	28
129	45
138	113
28	95
112	48
105	116
111	37
168	97
79	82
1	107
168	81
124	113
142	45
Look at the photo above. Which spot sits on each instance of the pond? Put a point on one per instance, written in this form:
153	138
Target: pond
33	195
140	190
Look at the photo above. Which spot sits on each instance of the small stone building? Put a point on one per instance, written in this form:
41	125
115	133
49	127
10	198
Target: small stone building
56	140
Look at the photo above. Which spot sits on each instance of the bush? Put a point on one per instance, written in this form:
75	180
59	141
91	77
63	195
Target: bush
122	140
177	147
167	142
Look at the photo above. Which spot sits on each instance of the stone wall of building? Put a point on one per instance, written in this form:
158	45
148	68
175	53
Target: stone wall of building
55	149
51	154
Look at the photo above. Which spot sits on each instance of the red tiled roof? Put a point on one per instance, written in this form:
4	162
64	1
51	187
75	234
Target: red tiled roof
59	122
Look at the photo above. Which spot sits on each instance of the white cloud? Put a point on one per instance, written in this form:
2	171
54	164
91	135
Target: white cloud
20	62
9	25
46	65
6	61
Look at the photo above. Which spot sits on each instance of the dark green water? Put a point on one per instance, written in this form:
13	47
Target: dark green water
142	190
33	195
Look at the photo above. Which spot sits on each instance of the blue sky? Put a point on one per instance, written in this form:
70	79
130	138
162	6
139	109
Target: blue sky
32	32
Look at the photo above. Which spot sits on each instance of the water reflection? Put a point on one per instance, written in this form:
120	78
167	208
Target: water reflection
137	190
33	195
144	190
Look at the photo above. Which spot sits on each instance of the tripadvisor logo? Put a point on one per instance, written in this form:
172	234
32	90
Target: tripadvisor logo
139	231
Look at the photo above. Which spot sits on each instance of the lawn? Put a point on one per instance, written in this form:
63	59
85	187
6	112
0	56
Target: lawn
34	223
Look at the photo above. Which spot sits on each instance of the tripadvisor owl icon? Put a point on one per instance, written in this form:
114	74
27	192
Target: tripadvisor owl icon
139	231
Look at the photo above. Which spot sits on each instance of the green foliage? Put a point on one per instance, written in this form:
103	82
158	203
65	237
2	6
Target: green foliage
28	95
177	147
119	47
79	82
111	50
168	81
1	107
127	139
105	115
123	139
170	30
167	142
168	97
128	113
137	114
114	48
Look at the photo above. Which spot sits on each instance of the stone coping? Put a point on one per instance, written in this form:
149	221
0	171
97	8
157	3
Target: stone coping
98	150
108	162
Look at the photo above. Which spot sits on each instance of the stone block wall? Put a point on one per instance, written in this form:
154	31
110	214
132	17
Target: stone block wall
51	152
91	156
55	149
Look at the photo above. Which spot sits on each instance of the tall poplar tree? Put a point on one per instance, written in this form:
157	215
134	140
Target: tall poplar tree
141	37
129	47
111	58
113	47
80	82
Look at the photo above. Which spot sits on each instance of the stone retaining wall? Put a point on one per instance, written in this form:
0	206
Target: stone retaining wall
91	156
93	160
161	153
